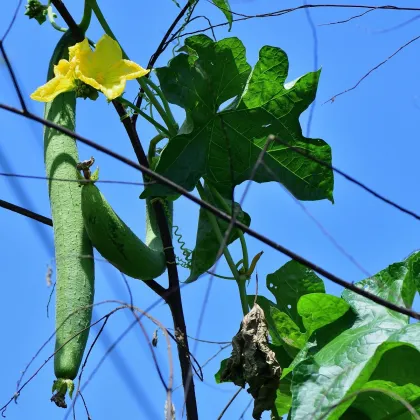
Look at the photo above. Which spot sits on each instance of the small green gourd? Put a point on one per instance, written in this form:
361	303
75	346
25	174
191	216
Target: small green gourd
117	243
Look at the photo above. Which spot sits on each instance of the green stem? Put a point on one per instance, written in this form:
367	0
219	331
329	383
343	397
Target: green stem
144	115
220	276
228	210
218	233
152	98
52	21
151	112
162	97
244	251
242	294
168	118
241	280
152	146
87	15
239	263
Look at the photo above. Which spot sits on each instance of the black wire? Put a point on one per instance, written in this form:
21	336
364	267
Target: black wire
99	181
159	178
272	244
13	76
346	176
12	21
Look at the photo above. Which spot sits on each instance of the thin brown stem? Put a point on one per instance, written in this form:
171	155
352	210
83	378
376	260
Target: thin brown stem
173	297
159	50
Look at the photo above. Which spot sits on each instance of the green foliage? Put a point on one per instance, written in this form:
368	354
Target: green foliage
289	283
303	291
377	400
286	329
347	362
344	357
224	6
283	398
319	310
36	10
207	245
201	79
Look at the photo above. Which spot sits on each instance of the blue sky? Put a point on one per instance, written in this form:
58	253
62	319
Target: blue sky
373	132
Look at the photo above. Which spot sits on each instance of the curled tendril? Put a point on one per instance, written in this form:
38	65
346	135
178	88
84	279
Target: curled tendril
186	252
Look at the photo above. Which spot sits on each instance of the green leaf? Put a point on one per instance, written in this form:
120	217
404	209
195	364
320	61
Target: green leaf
281	328
348	361
219	372
287	330
289	283
396	284
299	293
319	309
380	404
327	333
95	175
207	244
224	6
301	356
283	400
36	10
214	143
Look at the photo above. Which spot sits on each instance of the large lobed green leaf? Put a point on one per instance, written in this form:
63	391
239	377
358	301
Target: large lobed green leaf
355	356
213	143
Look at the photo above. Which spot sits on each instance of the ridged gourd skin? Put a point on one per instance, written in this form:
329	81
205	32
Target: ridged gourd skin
117	243
73	249
153	239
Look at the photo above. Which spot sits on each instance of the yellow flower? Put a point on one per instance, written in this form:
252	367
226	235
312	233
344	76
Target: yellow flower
63	81
104	69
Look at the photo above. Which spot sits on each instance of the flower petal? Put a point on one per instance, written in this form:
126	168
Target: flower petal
104	69
62	68
107	52
127	69
83	74
113	90
79	50
116	77
114	80
53	88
